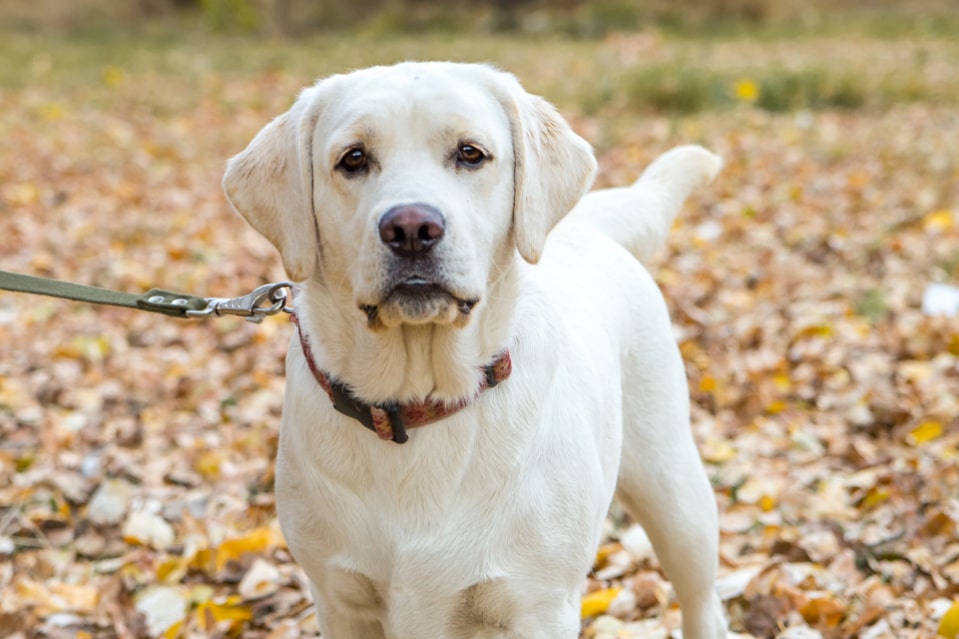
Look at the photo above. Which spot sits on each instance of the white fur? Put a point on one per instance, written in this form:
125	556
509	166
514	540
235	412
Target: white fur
484	524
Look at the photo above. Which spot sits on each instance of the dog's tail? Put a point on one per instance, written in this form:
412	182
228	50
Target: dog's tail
639	216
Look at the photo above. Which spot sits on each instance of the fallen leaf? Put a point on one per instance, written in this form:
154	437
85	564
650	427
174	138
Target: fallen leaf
925	432
597	602
212	613
259	540
261	580
163	607
148	529
949	624
823	611
109	502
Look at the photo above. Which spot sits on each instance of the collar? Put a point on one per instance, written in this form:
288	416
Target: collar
390	420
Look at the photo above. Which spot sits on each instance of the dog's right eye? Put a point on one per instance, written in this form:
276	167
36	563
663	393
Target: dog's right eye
353	161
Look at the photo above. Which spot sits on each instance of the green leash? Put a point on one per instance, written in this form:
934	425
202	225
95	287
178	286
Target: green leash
268	299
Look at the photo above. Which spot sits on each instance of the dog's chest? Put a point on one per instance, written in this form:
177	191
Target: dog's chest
420	547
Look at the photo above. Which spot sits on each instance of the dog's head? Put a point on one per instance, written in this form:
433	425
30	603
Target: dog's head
411	186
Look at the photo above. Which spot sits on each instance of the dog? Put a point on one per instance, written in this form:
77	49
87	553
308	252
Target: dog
457	291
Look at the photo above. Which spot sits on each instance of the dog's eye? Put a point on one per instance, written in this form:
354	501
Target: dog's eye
353	161
469	155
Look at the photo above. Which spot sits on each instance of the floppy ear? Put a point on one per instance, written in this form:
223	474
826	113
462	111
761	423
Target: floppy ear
553	167
270	183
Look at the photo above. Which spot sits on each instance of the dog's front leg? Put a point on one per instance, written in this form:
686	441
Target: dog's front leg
499	609
337	626
338	623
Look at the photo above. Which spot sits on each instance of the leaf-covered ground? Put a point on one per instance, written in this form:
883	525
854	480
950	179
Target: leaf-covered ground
136	451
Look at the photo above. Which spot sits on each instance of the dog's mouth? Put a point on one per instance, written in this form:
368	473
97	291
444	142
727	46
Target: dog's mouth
417	300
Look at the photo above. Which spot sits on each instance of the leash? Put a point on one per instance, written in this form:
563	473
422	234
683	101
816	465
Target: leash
388	421
263	301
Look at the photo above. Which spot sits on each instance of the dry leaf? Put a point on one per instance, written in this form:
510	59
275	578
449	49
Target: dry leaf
163	608
813	291
949	624
259	540
213	614
149	530
110	502
261	580
597	602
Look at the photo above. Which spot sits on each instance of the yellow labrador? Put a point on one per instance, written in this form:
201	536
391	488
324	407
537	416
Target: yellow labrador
457	290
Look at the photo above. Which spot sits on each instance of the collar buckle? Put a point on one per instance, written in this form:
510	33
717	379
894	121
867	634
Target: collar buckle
370	415
346	403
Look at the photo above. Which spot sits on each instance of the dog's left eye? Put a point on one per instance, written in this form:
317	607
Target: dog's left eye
354	160
469	155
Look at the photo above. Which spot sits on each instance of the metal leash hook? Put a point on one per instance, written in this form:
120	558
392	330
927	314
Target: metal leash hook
265	300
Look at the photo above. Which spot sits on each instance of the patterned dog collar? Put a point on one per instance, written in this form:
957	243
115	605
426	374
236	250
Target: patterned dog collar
390	421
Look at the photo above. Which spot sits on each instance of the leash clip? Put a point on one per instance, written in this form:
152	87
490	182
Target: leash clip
265	300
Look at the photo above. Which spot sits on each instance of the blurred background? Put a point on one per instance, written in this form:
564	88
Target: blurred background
595	55
583	18
814	291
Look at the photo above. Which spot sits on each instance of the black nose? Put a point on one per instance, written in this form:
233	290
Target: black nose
412	229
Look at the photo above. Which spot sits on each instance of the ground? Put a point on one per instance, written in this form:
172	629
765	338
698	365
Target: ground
136	450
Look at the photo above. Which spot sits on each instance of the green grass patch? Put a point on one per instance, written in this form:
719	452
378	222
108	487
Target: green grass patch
685	87
675	88
595	77
811	89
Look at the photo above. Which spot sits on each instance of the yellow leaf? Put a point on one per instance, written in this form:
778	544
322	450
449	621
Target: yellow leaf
949	624
172	570
767	503
112	76
775	407
707	384
873	498
202	559
938	220
209	462
210	614
596	603
604	551
173	631
782	382
718	450
925	432
815	330
747	90
953	346
258	540
24	461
